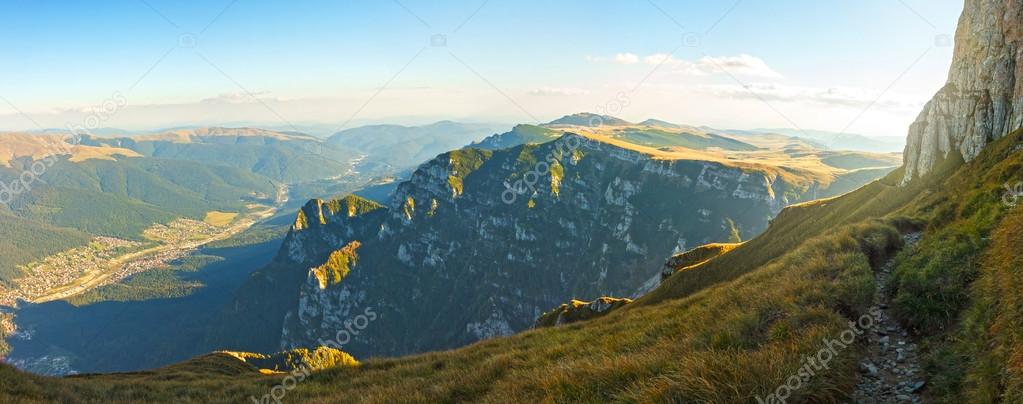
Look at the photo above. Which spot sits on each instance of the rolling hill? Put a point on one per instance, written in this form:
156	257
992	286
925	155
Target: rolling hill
87	191
283	157
403	147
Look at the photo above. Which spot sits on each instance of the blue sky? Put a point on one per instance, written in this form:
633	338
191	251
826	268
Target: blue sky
813	64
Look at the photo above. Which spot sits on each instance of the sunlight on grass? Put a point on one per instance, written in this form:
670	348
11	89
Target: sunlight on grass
215	218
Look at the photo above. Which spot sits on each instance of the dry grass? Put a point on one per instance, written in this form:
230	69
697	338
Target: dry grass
215	218
728	343
801	169
699	255
84	153
15	145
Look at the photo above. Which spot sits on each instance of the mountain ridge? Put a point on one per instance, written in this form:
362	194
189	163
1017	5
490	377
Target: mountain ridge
488	227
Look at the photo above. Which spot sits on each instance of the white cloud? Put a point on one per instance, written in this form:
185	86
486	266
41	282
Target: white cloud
241	98
677	65
742	65
558	92
662	58
626	58
830	96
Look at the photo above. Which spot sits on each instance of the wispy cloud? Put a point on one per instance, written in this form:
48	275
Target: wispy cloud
620	58
241	98
558	92
626	58
743	64
830	96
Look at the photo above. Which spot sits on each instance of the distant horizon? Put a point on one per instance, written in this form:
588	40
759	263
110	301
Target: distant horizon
734	64
416	122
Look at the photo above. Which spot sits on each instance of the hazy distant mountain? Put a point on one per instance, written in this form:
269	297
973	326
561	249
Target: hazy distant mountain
588	119
520	134
458	255
104	132
408	146
843	141
650	133
660	123
285	157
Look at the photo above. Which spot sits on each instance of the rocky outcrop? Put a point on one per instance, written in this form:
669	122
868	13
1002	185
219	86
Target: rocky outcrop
577	310
981	101
321	358
694	257
479	243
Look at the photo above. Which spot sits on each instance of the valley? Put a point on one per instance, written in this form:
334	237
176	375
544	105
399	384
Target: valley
159	265
109	260
568	210
398	202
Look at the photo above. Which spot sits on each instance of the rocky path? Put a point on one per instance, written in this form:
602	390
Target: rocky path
890	371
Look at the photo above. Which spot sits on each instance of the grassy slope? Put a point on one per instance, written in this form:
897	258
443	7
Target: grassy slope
772	300
959	290
285	161
661	138
764	325
853	161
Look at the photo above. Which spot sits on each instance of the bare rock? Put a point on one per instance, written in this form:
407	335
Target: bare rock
981	101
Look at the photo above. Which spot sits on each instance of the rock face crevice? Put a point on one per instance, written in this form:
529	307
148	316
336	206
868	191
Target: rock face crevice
981	101
479	243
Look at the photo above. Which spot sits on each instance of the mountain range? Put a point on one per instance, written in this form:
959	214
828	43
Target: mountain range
585	187
592	259
480	241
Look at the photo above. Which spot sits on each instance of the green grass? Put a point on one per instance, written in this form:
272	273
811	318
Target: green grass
958	290
158	283
337	266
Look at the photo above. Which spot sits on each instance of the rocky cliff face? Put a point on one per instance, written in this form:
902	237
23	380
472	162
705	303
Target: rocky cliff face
981	101
479	243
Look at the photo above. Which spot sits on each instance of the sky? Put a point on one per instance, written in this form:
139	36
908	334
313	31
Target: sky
861	67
